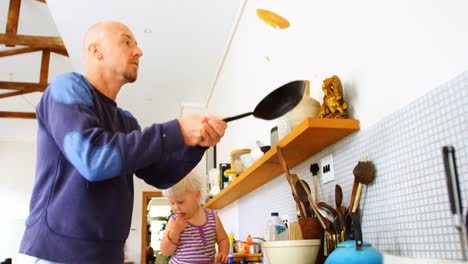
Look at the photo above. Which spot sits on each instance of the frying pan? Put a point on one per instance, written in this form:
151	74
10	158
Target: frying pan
276	103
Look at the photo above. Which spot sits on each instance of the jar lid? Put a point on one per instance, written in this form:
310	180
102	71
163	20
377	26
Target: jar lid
230	172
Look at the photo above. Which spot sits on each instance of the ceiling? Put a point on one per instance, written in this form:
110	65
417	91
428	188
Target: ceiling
183	43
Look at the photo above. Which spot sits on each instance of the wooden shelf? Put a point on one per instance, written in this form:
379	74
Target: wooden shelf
310	137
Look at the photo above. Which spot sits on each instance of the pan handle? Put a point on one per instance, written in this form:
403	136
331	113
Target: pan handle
232	118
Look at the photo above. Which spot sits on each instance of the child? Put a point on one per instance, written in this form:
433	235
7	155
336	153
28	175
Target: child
192	231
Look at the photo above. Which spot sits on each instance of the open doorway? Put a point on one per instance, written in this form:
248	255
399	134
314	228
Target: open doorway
155	212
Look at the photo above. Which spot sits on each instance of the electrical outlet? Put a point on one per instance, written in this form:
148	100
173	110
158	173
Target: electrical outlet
285	219
326	169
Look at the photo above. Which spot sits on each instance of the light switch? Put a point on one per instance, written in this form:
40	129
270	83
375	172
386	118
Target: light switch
326	169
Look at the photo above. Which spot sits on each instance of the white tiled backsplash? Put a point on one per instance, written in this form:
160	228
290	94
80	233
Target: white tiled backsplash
406	210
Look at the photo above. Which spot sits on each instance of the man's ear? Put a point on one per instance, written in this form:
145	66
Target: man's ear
95	50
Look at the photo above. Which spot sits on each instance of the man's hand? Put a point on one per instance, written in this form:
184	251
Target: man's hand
201	130
213	131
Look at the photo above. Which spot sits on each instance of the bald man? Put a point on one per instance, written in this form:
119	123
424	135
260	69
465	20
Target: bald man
88	150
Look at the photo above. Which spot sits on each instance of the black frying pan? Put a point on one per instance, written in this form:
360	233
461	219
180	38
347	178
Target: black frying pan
277	103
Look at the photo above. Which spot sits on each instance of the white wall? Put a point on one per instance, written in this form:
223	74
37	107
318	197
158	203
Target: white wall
386	52
17	167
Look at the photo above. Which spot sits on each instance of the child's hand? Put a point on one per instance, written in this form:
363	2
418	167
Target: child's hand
221	258
179	224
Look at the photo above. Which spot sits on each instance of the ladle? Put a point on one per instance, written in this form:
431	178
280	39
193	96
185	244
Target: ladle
277	103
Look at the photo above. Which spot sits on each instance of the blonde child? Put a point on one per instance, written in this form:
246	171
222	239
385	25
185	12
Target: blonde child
192	231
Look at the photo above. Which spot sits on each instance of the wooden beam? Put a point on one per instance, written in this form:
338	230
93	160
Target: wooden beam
23	86
12	52
27	115
63	52
45	67
13	18
5	95
42	1
32	41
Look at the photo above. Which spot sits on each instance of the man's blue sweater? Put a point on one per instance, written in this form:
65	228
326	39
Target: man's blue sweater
87	152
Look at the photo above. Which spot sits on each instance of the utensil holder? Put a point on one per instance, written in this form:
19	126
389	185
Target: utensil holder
311	229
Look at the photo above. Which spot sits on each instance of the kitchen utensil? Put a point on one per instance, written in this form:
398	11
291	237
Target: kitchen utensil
314	168
353	194
277	103
307	107
303	191
328	212
236	162
338	227
274	136
338	224
323	223
364	173
354	250
292	251
455	199
295	232
303	196
311	229
265	149
247	160
338	200
283	163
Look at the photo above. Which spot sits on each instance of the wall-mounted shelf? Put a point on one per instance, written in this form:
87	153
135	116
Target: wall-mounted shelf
310	137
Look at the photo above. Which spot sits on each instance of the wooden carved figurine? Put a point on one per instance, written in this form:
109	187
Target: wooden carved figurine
333	105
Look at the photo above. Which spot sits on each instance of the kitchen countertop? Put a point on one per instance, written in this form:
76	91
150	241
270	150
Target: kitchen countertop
248	257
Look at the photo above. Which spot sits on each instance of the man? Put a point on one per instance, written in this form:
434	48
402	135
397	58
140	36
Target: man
89	149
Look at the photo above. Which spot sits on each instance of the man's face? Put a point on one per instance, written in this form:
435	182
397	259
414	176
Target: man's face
121	53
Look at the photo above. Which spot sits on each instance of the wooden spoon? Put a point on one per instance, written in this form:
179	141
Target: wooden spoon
353	195
302	196
283	163
304	191
339	200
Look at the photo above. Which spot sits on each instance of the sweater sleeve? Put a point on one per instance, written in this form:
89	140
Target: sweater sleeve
68	110
172	168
